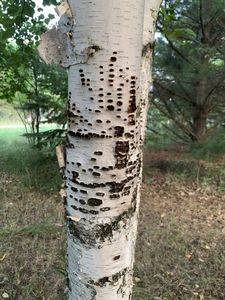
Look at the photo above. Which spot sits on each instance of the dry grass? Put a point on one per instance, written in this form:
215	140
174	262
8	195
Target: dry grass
32	243
180	248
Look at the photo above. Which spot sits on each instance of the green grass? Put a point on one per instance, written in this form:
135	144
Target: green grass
11	135
35	168
41	230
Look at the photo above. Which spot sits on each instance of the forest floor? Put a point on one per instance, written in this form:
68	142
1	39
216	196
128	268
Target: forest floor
180	247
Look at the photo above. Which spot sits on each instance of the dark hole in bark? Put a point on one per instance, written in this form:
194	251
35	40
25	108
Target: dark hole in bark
96	174
108	94
101	95
119	131
132	107
74	189
111	70
110	107
82	202
100	67
93	159
114	196
102	79
74	207
75	174
116	257
121	152
93	212
111	75
100	194
105	209
113	59
108	121
80	70
131	120
95	202
99	121
83	210
110	101
98	153
83	192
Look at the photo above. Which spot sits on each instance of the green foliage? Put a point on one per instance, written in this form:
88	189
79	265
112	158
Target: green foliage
189	67
37	91
210	148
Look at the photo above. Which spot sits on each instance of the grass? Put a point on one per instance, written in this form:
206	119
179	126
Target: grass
36	169
180	247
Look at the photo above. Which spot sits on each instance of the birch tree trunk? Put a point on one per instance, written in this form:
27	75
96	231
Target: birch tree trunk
101	44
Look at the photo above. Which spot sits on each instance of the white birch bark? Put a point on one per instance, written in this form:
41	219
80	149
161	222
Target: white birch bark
101	44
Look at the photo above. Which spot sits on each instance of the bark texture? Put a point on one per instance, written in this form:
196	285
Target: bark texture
108	60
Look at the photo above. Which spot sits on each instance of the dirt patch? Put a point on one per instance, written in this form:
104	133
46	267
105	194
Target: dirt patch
180	247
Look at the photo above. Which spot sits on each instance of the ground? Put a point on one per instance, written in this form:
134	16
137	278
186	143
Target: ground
180	247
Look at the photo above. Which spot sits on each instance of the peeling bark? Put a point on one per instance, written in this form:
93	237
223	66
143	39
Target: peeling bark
108	60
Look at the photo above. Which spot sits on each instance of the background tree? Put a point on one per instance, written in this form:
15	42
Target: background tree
37	91
189	67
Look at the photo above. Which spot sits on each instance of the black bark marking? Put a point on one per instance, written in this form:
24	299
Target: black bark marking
110	107
98	153
94	202
100	194
111	280
121	153
113	59
131	120
119	131
116	257
105	209
100	233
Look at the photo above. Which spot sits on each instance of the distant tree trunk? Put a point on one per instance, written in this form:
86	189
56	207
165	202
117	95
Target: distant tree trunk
101	44
199	125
